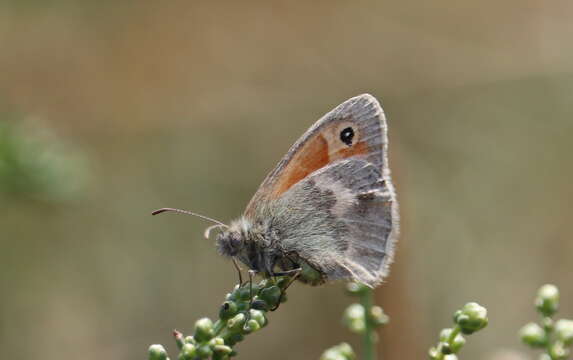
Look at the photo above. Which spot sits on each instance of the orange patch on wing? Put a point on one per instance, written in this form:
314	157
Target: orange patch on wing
311	157
360	148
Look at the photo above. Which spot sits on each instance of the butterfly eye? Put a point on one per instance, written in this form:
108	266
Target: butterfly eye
347	135
235	241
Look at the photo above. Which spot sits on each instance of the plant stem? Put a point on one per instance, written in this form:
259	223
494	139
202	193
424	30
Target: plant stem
548	325
366	299
455	332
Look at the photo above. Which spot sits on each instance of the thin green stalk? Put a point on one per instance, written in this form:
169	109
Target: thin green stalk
548	326
369	337
450	341
453	334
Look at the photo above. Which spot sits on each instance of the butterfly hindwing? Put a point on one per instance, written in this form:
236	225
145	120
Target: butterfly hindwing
341	219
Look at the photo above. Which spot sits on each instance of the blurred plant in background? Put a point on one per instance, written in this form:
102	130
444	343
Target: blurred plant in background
34	163
471	318
361	318
556	337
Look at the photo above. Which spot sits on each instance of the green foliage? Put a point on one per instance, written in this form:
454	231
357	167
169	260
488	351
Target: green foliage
242	313
471	318
35	164
555	337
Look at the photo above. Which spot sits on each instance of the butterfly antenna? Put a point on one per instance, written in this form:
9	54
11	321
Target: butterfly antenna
162	210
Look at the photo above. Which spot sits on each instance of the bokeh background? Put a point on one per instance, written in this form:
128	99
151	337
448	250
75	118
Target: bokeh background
111	109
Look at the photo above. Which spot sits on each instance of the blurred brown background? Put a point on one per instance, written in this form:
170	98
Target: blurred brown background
189	104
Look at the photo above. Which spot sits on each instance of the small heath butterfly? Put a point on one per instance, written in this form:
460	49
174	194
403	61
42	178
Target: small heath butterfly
328	211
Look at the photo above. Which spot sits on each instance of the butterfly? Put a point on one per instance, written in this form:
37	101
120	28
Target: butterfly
328	210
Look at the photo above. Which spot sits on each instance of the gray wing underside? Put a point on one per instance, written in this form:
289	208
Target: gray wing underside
342	219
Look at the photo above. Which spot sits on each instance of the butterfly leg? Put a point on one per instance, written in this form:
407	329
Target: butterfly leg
294	274
252	274
238	268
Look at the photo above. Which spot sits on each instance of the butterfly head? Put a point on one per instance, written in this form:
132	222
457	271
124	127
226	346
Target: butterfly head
231	241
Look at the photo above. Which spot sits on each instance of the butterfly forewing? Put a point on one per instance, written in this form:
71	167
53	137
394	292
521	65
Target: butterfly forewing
326	142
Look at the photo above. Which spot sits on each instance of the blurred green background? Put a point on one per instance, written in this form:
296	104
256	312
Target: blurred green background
109	110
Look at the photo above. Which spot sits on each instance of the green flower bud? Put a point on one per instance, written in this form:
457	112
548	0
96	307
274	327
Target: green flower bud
456	343
548	324
179	340
222	349
544	357
547	300
251	326
203	329
533	335
445	334
339	352
558	351
236	323
450	357
256	288
357	289
259	317
357	326
433	353
216	341
444	348
378	316
204	352
220	356
354	312
157	352
354	318
190	340
271	295
471	318
282	282
234	338
243	293
346	350
228	310
564	331
188	352
259	305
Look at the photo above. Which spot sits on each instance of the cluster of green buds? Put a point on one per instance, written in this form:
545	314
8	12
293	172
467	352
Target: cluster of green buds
555	336
242	313
471	318
360	318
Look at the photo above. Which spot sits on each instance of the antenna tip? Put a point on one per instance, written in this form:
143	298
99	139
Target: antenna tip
158	211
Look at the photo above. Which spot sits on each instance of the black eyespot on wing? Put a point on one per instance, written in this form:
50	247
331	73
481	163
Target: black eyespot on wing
347	135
